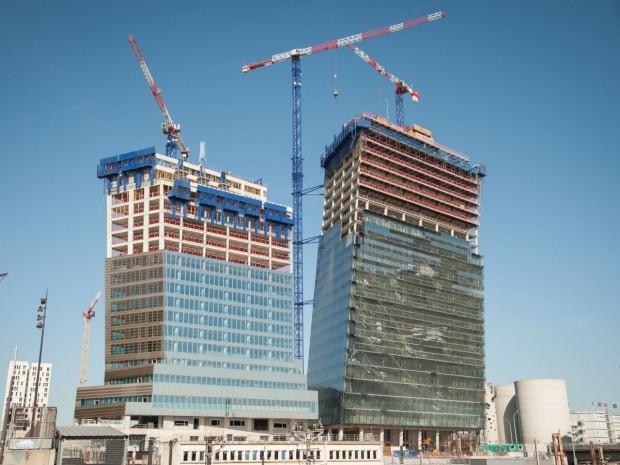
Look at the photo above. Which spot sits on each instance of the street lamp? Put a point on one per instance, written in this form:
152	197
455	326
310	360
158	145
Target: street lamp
41	315
515	425
509	426
570	435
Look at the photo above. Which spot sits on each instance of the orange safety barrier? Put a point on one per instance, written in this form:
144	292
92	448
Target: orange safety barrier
451	181
216	230
415	190
418	180
417	201
260	265
420	158
411	212
197	227
191	251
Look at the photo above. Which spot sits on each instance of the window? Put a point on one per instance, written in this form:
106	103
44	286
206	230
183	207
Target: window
215	422
181	422
237	422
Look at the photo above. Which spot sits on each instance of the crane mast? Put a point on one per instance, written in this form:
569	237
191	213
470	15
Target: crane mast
401	86
88	315
295	56
169	128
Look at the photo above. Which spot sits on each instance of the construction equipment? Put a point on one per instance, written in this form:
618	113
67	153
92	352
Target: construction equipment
295	56
88	315
202	160
174	142
401	86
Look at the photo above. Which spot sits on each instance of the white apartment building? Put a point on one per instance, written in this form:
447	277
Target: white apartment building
21	385
600	427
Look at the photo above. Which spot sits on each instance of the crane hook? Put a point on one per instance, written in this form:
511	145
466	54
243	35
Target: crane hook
335	93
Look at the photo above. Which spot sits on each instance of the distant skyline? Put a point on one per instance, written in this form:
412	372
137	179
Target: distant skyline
530	89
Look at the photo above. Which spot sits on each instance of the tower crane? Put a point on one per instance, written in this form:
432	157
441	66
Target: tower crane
174	142
401	86
88	315
295	56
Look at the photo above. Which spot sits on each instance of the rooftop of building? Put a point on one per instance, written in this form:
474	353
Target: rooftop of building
416	136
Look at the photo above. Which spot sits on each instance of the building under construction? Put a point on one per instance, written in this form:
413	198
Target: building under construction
397	342
199	303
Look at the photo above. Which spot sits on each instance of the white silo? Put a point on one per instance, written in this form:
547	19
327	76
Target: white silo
505	407
542	410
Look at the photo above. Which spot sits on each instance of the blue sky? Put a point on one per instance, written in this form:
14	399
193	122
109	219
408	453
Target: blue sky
528	88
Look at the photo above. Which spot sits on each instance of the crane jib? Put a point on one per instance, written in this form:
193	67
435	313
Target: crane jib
332	44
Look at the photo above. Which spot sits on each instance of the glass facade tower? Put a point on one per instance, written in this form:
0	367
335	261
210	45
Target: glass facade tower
397	340
199	302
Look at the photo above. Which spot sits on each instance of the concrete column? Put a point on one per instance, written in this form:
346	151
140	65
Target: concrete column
361	434
420	440
382	436
437	438
340	433
401	435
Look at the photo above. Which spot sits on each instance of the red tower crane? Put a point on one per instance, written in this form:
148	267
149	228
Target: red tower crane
88	315
297	172
169	128
401	86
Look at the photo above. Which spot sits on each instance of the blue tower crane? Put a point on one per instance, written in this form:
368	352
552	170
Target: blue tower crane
295	56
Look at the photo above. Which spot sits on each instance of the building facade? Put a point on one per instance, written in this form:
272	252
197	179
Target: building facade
397	342
199	303
491	431
597	426
21	385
